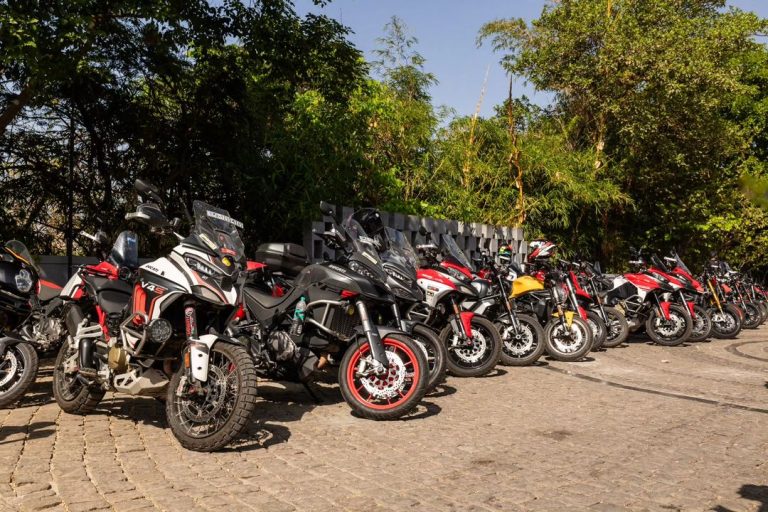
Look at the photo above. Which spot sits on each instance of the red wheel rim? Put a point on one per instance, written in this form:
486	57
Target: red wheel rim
409	360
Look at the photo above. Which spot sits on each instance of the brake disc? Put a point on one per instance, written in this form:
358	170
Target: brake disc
10	371
388	384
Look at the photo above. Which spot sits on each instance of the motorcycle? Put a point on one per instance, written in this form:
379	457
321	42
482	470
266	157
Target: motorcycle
645	301
324	314
693	293
400	262
155	329
550	298
29	320
616	326
472	341
727	318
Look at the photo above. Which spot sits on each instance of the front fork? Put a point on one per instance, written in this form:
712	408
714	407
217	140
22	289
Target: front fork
198	351
372	335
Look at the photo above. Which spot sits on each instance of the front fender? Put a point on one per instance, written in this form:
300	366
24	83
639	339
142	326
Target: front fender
199	353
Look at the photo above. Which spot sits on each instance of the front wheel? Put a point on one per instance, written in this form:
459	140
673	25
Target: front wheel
672	332
568	342
702	324
207	416
18	369
726	324
434	351
477	357
522	346
392	393
617	327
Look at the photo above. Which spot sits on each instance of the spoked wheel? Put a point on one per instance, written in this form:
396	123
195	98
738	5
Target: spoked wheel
388	395
670	332
207	416
568	342
72	394
725	324
434	351
18	368
522	346
598	328
617	328
479	356
702	324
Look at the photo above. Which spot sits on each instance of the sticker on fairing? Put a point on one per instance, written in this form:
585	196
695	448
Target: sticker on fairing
208	241
225	218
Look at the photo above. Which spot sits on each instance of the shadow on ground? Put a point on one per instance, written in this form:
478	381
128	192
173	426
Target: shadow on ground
758	493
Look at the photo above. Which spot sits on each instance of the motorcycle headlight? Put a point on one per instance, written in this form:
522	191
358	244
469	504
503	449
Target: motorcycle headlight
24	281
356	266
200	267
399	276
160	330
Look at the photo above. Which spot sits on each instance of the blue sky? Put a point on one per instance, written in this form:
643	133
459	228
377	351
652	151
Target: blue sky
446	30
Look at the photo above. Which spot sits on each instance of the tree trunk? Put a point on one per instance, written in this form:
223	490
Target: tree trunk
15	106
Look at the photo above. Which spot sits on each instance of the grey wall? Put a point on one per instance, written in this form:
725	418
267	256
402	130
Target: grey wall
470	237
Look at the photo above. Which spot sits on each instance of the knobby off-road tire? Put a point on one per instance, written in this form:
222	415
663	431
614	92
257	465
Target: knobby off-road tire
231	372
73	396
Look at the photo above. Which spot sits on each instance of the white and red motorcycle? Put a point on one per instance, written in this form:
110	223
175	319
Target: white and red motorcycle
155	330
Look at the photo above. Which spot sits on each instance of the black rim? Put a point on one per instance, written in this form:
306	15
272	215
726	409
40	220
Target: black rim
476	354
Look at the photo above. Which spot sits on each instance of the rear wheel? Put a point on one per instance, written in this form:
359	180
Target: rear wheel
522	346
206	417
568	342
388	395
617	327
73	395
702	324
669	332
434	351
18	369
478	357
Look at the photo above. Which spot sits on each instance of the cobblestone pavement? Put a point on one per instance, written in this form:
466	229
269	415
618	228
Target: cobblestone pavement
638	427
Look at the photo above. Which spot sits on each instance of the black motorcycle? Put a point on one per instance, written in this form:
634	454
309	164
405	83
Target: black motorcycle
321	314
29	320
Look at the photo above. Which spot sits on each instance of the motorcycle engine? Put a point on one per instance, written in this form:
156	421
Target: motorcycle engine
43	332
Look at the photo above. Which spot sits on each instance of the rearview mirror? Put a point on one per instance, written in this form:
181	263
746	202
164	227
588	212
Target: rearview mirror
422	231
327	209
149	190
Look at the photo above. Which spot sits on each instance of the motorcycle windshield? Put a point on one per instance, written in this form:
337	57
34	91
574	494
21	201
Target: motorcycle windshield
368	247
449	246
682	265
218	231
20	251
656	261
400	249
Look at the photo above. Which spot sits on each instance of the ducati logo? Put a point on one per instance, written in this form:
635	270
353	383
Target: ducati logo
150	287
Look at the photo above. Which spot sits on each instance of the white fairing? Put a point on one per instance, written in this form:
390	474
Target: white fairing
69	289
433	291
198	356
162	267
620	280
